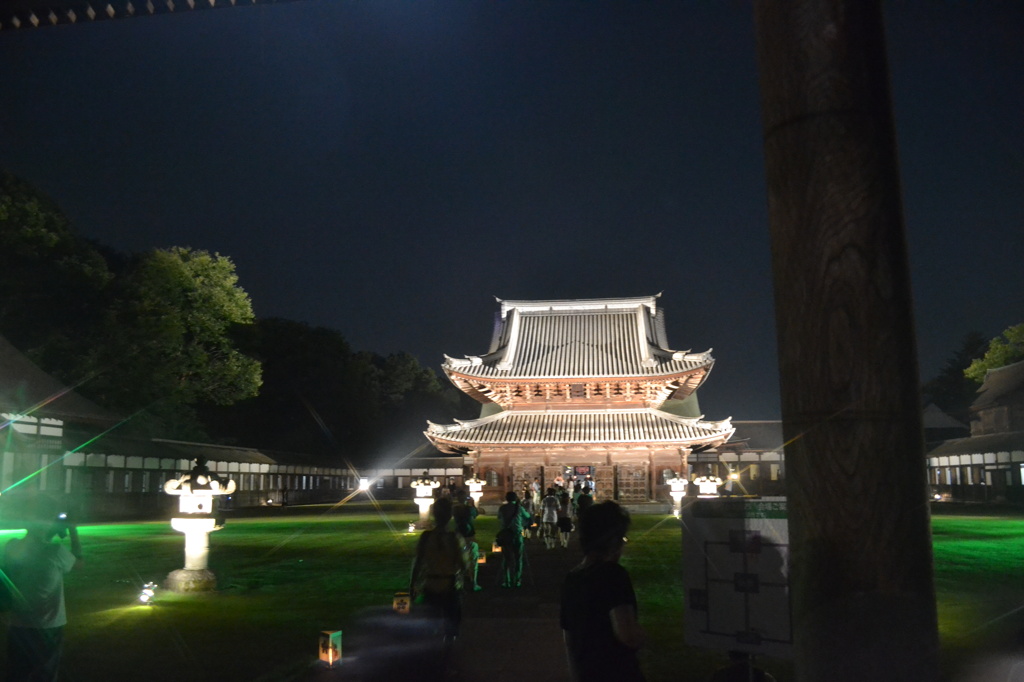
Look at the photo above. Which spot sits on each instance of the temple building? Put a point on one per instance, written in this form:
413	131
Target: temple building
585	388
988	466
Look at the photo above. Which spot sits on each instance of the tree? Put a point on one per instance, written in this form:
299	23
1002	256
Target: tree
321	398
950	389
167	342
52	282
1003	350
316	397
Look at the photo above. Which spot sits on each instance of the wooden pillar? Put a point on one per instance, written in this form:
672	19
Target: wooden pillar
862	585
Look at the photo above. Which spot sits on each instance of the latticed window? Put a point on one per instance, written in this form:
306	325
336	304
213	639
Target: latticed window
633	482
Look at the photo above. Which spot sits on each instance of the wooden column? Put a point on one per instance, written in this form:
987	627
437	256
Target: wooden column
862	585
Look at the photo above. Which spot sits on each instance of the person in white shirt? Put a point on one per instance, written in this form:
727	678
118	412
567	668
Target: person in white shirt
35	565
549	518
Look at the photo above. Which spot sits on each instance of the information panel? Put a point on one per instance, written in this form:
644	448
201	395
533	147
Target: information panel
736	575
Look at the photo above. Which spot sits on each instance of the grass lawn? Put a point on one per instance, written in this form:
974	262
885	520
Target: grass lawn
979	585
283	579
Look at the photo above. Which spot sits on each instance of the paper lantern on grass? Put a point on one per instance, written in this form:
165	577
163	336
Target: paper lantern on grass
495	547
330	646
148	593
401	603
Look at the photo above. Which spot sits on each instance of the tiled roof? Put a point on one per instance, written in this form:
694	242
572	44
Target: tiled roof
934	418
26	389
758	435
522	427
174	449
1000	383
977	445
597	338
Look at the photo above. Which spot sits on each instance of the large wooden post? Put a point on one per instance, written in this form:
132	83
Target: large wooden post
862	585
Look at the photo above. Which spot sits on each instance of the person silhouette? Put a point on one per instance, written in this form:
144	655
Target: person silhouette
35	565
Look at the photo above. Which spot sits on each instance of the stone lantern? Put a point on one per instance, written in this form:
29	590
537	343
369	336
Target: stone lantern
424	487
708	484
197	492
476	489
677	488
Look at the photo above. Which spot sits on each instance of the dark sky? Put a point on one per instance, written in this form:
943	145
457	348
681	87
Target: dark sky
387	168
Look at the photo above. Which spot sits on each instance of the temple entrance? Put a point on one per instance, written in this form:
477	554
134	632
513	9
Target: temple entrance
622	482
552	474
600	478
522	477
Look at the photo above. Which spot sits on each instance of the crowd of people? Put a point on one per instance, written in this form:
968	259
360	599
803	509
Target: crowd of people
598	610
598	613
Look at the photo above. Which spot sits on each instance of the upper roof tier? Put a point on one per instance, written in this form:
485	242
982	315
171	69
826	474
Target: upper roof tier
580	338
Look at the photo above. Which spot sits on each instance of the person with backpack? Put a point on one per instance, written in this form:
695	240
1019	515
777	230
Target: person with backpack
511	517
441	565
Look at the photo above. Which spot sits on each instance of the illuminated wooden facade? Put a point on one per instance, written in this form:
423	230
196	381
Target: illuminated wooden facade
588	385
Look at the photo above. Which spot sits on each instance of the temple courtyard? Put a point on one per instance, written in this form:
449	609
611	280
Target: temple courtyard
288	574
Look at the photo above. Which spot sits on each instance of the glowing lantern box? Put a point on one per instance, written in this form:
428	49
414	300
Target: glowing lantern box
330	646
401	603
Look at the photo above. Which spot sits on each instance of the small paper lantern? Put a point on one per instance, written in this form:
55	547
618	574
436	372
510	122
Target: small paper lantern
482	559
401	603
495	547
330	646
148	593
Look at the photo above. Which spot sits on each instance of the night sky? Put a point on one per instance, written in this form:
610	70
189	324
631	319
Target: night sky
387	168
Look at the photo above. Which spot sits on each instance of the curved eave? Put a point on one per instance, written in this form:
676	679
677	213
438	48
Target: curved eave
642	427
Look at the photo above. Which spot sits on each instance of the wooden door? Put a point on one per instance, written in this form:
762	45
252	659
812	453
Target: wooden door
632	483
604	477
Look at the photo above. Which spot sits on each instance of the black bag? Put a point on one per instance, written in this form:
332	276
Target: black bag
505	537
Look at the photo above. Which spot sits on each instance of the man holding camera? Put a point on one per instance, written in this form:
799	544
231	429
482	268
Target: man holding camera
35	566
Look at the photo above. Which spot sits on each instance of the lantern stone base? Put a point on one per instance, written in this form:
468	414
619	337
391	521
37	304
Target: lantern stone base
188	580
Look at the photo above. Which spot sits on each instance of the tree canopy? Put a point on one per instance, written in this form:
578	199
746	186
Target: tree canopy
166	341
168	338
322	398
1005	349
950	389
51	281
149	334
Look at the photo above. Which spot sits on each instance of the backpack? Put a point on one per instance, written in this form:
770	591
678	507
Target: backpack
506	537
463	521
507	515
442	560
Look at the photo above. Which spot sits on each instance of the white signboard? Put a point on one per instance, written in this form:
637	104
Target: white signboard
736	575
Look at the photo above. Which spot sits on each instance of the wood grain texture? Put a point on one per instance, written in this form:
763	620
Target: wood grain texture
862	568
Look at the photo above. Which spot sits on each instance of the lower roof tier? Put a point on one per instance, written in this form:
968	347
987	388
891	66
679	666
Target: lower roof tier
643	426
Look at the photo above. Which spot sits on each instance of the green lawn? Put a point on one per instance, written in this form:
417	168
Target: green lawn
284	579
979	584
